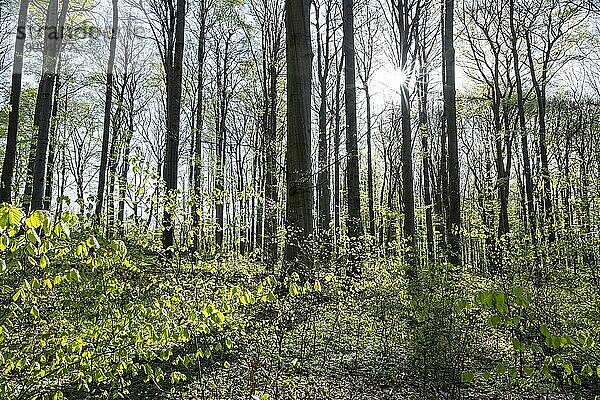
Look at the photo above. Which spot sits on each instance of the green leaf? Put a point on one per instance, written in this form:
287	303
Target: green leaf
294	291
500	369
247	298
568	367
467	377
590	342
545	331
35	220
500	301
218	317
493	320
92	242
317	286
14	216
32	236
44	261
516	344
4	242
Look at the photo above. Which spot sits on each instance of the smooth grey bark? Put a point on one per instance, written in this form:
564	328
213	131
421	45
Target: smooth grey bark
10	153
53	139
52	48
221	138
423	87
454	218
370	185
126	144
197	163
323	178
173	63
336	149
107	111
354	221
539	86
299	210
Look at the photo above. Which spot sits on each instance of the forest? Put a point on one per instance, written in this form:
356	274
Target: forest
299	199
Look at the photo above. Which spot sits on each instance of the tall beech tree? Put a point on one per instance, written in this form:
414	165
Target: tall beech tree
197	137
454	218
354	221
514	41
367	40
299	207
53	38
324	63
10	153
107	110
169	36
550	31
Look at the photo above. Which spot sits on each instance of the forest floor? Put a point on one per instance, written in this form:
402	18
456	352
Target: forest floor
97	319
365	338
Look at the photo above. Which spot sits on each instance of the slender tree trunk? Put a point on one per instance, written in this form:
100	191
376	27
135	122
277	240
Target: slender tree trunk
540	91
271	184
424	128
454	219
354	221
53	140
10	153
323	179
370	185
174	71
221	121
531	220
336	152
323	189
197	164
107	111
125	168
52	48
114	152
299	211
257	178
408	198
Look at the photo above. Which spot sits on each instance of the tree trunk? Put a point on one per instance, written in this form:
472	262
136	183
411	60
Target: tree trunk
336	152
125	168
52	48
271	192
354	221
174	69
531	220
52	146
323	186
10	153
540	91
197	164
107	111
299	210
370	185
220	125
424	128
454	219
